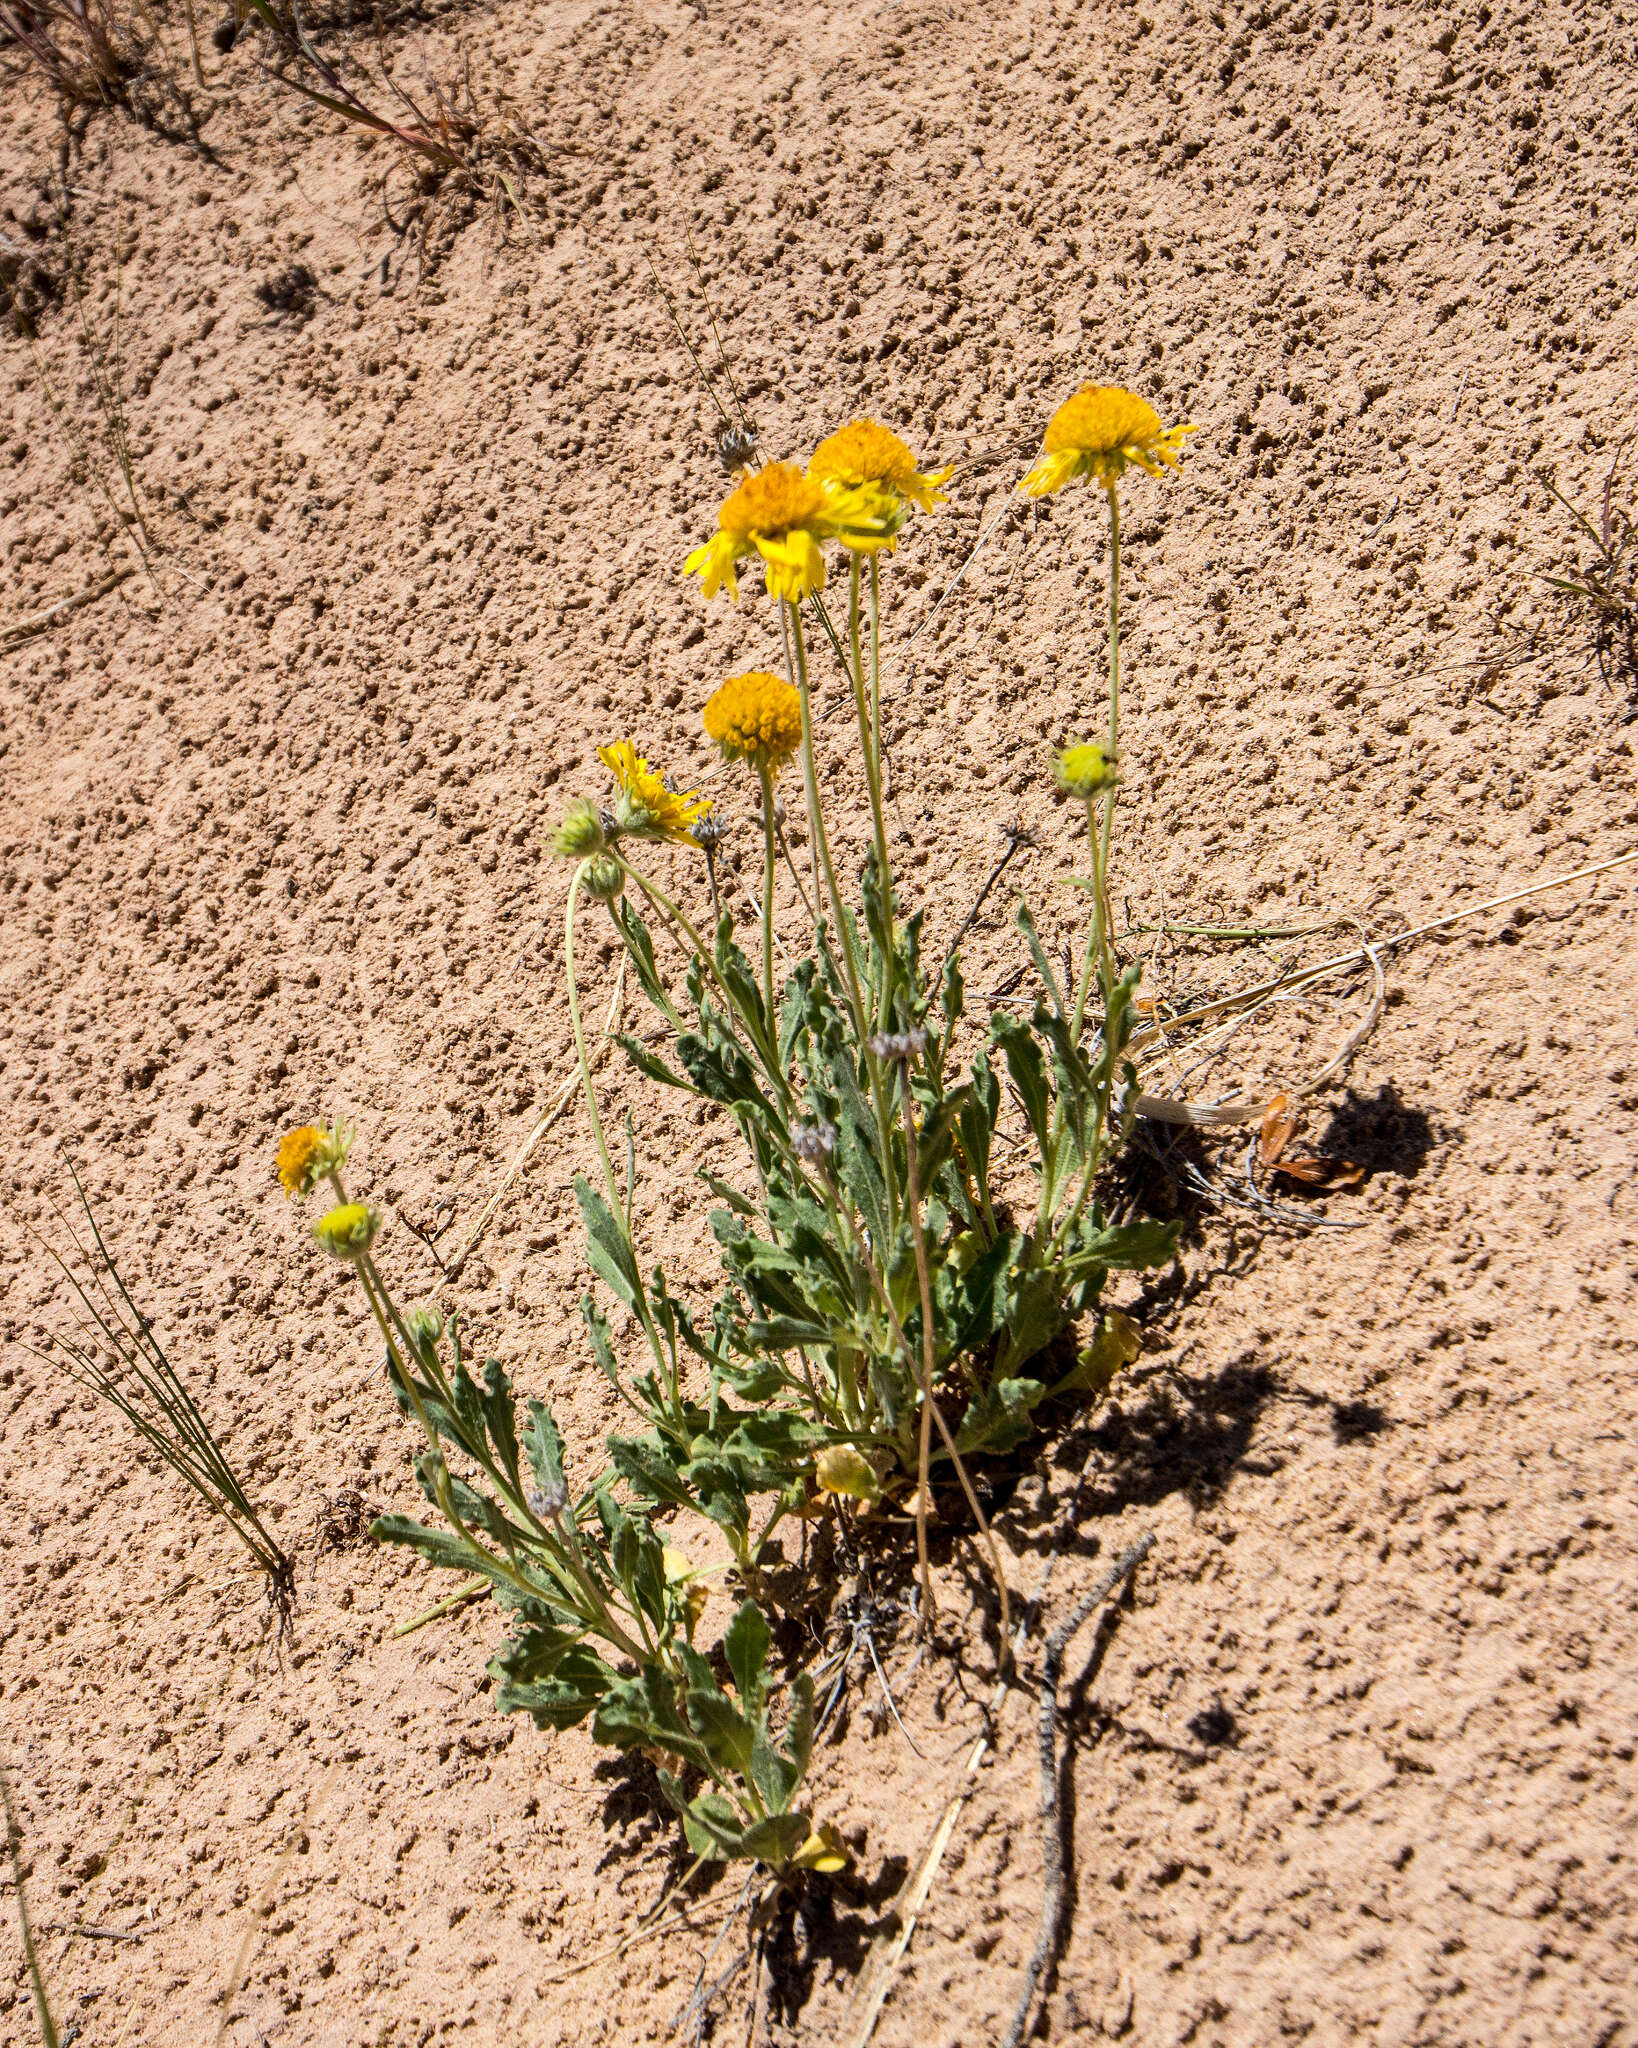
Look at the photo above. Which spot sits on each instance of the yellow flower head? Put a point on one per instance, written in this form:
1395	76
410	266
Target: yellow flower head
755	718
865	455
1096	433
305	1156
1084	771
645	807
779	514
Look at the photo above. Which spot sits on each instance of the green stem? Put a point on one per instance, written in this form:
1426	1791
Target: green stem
796	651
869	713
580	1040
766	780
1101	842
930	1408
796	654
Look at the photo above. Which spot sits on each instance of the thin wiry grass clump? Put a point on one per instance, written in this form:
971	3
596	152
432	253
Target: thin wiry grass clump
460	144
1605	589
105	53
114	1354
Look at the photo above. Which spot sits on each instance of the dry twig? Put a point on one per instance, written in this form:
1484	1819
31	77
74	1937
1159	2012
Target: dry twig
1053	1851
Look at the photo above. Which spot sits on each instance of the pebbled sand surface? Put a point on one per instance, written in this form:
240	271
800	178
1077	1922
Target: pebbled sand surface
1355	1763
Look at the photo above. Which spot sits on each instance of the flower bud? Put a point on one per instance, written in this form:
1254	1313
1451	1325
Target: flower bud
899	1045
580	833
690	1592
425	1325
348	1230
1084	772
604	879
814	1144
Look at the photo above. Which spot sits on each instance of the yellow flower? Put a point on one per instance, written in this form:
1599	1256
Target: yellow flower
842	1469
755	718
646	808
305	1156
863	455
690	1593
1084	771
779	514
824	1851
1096	433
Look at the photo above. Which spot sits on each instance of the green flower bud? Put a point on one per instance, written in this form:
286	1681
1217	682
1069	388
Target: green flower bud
580	833
349	1229
425	1325
604	879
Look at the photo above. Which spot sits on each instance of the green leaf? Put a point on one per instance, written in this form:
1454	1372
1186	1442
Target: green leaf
579	1684
745	1645
713	1828
1028	1071
640	1712
534	1653
1128	1247
936	1136
1043	966
440	1547
1070	1073
952	997
740	1204
983	1299
788	1333
606	1246
602	1337
740	982
647	1463
728	1737
979	1112
793	1011
998	1418
640	949
774	1776
776	1839
648	1063
799	1728
1035	1315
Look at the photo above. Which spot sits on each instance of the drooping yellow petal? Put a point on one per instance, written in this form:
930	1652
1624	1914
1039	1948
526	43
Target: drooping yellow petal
1097	433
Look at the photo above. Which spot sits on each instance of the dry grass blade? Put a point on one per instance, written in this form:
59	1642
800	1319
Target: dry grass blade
41	622
14	1842
1249	1109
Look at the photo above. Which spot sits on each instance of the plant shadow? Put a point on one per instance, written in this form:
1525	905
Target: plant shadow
1380	1133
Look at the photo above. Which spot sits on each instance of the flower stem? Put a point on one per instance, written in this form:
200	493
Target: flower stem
580	1039
930	1410
1098	945
797	655
767	895
869	715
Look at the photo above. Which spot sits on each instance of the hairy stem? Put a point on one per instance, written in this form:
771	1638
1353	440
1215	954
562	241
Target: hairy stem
767	893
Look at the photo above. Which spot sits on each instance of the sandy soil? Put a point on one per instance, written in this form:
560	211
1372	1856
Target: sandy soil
1355	1763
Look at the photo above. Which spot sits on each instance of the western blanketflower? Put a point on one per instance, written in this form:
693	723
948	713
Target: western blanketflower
1096	433
755	718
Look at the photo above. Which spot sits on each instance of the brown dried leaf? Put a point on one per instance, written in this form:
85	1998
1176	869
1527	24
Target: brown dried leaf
1279	1128
1321	1171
